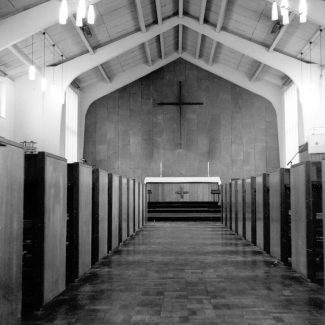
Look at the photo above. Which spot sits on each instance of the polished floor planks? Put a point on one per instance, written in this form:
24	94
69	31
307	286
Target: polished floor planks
188	273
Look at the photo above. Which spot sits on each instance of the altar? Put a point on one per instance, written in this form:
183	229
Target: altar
185	198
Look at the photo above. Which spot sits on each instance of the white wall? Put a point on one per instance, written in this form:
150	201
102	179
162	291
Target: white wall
7	123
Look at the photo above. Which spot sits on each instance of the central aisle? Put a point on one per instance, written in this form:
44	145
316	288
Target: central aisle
188	273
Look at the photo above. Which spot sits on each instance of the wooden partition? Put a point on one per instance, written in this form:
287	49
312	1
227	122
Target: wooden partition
145	204
45	217
225	203
131	207
123	210
234	205
113	212
229	205
241	206
306	221
136	205
263	212
99	215
11	230
280	219
250	190
79	220
140	204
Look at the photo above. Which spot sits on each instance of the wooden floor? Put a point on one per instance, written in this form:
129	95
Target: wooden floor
188	273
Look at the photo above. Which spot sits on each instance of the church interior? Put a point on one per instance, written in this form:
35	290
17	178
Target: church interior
162	162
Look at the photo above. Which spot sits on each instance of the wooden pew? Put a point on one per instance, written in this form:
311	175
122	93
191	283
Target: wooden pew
123	210
250	190
136	205
241	206
263	212
225	204
99	215
11	229
234	205
131	207
306	228
113	212
280	219
222	203
140	205
79	220
45	216
229	205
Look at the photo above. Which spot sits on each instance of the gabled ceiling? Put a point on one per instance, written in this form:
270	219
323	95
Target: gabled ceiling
248	19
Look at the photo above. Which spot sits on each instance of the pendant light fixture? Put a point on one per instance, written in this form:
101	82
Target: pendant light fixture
284	5
91	15
64	12
62	96
81	13
53	88
32	69
44	80
303	11
321	52
285	17
275	14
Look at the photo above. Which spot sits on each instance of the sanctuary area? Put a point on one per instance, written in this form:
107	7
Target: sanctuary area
162	162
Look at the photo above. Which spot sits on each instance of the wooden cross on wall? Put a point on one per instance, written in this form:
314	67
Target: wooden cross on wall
181	192
180	104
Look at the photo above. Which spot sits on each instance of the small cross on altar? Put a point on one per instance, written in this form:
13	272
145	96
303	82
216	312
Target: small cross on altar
180	104
181	192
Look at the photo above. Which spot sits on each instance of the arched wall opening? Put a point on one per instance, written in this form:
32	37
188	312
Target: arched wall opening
236	131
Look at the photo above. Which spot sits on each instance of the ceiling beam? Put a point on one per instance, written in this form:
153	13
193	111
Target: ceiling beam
180	39
148	55
29	22
140	16
143	29
288	65
198	45
276	60
162	45
273	46
159	13
88	46
202	11
222	15
257	72
85	62
160	21
180	8
281	33
23	57
212	53
201	21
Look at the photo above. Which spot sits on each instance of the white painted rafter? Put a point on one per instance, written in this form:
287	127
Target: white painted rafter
222	15
143	29
160	21
201	21
89	47
288	65
212	53
273	46
180	39
180	8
